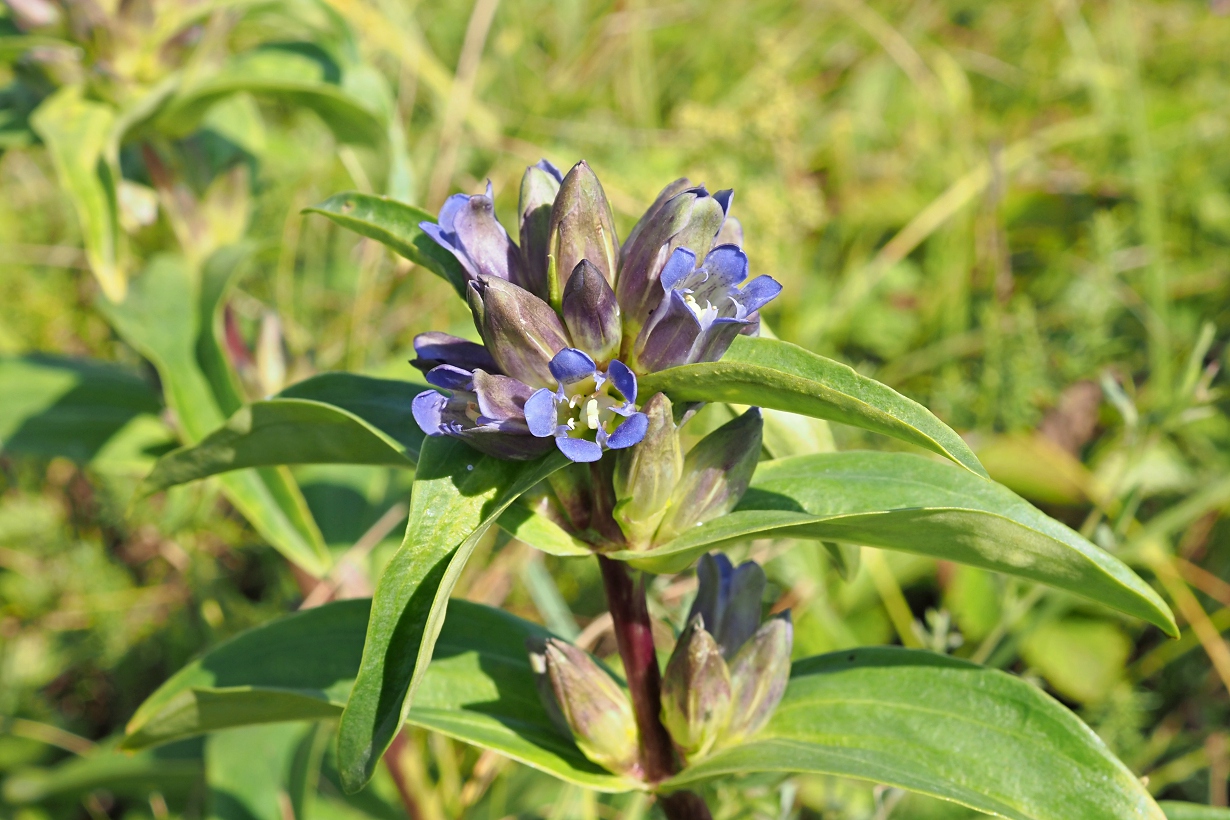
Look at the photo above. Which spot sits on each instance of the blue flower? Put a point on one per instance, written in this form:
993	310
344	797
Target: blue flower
702	309
591	411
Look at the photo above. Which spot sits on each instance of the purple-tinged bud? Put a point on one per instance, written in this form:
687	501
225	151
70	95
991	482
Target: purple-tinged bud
538	189
728	597
434	348
591	313
696	692
468	229
519	330
651	213
595	708
646	475
582	227
716	473
758	677
690	219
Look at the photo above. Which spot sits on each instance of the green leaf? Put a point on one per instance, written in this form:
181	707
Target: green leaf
73	408
249	770
280	75
478	688
458	494
173	770
160	319
370	423
75	131
396	225
782	376
940	726
915	504
1192	811
541	533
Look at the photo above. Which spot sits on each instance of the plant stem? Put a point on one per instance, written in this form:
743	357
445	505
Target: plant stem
634	635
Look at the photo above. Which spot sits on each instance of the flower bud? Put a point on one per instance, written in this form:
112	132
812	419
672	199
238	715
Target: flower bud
538	189
582	227
696	692
728	597
758	677
645	475
716	473
520	330
591	313
690	219
595	708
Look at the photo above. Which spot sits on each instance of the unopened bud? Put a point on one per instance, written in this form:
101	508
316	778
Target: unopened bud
716	473
689	219
591	313
582	227
520	330
538	189
759	673
646	475
728	597
696	692
595	708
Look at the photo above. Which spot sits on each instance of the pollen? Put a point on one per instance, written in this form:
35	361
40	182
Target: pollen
591	414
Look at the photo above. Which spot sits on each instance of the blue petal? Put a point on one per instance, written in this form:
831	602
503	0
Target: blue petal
571	365
724	198
759	292
727	265
428	408
623	379
681	263
579	449
630	432
448	211
540	413
450	378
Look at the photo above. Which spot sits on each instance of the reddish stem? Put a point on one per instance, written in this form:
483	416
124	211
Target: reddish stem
634	635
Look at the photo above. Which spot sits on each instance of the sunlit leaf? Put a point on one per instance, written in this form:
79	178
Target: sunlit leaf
782	376
458	494
943	727
915	504
478	687
335	418
396	225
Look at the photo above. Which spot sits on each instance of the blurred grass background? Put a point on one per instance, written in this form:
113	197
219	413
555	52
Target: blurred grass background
1016	213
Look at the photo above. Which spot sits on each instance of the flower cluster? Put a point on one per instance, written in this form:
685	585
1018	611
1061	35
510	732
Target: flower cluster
724	679
569	317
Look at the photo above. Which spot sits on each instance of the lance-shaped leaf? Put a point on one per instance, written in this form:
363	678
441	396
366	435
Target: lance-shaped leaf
396	225
75	132
479	687
457	496
915	504
173	770
940	726
782	376
334	418
160	318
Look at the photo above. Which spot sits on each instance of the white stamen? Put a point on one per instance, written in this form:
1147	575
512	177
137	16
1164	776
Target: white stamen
591	414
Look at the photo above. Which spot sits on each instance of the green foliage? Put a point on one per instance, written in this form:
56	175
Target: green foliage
1014	215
